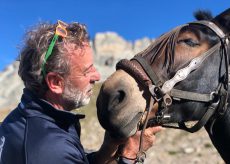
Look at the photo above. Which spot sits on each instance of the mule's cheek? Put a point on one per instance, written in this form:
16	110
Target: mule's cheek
128	130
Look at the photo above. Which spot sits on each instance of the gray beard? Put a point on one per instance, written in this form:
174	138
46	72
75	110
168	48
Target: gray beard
74	98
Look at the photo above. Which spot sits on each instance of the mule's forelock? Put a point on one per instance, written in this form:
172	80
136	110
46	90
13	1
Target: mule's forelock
203	15
165	44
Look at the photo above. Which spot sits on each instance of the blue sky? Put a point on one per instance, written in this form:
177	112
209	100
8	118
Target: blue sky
132	19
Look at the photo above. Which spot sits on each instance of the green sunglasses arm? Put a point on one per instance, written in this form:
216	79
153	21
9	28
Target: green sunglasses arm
48	54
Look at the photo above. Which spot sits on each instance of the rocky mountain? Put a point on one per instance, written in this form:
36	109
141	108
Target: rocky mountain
11	87
108	48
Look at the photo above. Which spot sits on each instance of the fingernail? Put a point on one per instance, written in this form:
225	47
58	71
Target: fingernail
162	128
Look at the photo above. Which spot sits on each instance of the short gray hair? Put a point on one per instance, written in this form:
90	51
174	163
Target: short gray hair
32	54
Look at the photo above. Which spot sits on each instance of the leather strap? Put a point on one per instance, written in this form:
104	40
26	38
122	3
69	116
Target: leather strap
175	93
211	110
148	70
212	26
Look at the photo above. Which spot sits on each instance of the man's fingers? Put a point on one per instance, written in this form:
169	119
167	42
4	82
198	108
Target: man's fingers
154	130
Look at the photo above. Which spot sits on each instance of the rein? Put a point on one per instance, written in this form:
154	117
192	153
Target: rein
164	93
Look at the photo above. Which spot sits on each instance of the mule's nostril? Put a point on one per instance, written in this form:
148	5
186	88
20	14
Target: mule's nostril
116	98
121	96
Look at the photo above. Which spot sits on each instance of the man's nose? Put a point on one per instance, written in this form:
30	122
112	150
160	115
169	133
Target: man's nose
95	76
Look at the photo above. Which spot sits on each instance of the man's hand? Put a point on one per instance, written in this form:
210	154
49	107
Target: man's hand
107	153
131	147
127	148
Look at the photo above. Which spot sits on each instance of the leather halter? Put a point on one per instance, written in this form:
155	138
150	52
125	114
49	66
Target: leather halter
163	91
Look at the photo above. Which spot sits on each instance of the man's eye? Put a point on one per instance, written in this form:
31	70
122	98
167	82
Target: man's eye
89	70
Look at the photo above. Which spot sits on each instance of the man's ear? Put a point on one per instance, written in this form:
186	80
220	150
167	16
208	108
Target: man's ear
55	83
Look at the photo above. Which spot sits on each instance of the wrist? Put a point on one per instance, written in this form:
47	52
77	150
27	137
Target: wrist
128	154
124	160
129	158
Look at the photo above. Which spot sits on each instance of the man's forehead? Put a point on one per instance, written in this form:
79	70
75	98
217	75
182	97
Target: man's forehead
73	49
81	58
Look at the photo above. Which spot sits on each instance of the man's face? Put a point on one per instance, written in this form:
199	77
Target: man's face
83	74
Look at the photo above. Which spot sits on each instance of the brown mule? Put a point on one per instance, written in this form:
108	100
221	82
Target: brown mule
182	76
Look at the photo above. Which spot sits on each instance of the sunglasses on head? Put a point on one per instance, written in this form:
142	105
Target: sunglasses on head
60	31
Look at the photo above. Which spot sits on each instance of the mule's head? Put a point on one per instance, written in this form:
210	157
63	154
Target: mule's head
125	95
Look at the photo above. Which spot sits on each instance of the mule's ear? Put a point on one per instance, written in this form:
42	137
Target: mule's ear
223	21
203	15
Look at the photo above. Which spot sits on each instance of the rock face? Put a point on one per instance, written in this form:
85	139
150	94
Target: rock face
108	48
11	87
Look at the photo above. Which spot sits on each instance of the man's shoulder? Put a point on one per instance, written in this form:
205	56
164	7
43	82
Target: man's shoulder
54	150
50	142
39	128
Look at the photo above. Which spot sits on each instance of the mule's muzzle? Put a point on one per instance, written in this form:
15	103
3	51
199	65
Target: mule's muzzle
114	111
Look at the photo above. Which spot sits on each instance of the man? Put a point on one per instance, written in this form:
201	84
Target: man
56	66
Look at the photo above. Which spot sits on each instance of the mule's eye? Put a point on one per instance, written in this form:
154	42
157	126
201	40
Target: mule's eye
189	42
